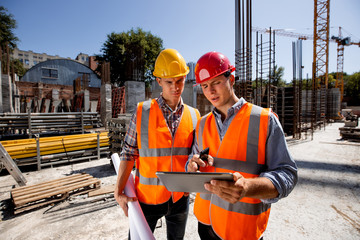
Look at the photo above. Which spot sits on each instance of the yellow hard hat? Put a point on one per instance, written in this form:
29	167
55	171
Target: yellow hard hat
170	64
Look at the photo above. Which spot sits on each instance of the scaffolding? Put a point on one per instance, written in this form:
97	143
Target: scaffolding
265	94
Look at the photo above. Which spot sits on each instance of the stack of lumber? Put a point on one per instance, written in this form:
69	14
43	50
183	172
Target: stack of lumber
38	195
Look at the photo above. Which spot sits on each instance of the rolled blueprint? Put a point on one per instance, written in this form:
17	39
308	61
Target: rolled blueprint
139	228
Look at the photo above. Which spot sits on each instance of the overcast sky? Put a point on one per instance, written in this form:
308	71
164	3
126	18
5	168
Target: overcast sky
193	27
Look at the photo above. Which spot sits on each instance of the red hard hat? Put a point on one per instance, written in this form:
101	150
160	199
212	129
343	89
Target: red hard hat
210	65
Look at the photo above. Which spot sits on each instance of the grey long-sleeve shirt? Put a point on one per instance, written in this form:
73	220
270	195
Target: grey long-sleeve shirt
281	168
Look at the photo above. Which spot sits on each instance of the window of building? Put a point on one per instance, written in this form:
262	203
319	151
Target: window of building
21	60
27	61
35	62
40	57
49	73
35	57
20	55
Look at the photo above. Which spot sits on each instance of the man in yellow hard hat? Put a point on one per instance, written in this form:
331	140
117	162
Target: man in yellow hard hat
159	138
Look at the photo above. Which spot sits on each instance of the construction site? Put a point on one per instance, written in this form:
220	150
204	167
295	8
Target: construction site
56	175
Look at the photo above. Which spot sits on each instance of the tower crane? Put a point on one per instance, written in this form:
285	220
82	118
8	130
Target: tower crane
341	43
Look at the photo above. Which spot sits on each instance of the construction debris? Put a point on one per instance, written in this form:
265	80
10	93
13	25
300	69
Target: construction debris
351	130
38	195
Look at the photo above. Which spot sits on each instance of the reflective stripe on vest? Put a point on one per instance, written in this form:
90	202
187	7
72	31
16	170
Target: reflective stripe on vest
242	150
159	150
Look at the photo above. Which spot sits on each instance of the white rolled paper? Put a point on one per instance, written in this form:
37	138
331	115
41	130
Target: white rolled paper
139	228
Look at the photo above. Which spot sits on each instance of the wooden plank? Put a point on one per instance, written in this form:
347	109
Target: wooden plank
103	190
41	193
37	205
58	191
29	197
49	185
11	166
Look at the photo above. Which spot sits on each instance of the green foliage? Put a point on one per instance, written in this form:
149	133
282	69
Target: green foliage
8	39
131	55
18	67
352	89
277	79
7	25
278	76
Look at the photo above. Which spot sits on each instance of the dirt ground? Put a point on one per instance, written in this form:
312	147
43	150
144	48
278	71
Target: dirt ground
324	205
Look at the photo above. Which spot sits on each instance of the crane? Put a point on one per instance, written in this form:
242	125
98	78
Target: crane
341	43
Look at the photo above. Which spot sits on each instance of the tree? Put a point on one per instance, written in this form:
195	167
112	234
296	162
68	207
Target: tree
278	76
8	39
331	80
277	79
18	67
352	89
131	55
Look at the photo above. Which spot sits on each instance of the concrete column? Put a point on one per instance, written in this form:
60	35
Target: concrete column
1	95
7	94
86	101
105	111
134	93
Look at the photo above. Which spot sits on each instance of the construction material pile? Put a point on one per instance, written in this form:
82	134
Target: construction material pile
45	193
30	123
61	149
351	130
117	130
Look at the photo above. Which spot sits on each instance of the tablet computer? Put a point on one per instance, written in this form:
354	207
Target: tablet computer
190	181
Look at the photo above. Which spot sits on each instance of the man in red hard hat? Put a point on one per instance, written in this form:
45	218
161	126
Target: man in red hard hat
246	140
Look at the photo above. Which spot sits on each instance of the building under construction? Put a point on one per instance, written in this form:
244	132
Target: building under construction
64	97
306	104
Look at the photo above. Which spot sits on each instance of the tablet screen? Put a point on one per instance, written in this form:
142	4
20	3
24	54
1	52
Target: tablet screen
190	181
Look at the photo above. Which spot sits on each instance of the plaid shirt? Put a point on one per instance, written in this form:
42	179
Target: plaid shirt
130	149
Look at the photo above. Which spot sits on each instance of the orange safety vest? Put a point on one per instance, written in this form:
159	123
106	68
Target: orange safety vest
241	150
160	151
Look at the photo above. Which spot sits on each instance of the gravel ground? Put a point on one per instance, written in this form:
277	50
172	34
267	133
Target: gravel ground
324	205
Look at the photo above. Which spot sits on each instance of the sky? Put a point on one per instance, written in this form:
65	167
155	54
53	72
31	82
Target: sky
193	27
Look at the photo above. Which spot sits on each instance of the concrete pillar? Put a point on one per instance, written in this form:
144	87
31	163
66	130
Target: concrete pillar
105	111
1	95
134	93
86	101
7	94
155	89
188	95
